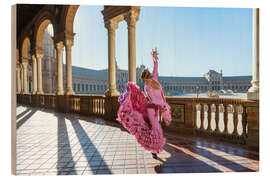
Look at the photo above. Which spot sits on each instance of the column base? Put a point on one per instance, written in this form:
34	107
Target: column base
112	93
70	92
34	92
253	95
40	92
60	92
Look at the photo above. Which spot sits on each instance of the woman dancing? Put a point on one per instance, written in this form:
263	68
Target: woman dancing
139	112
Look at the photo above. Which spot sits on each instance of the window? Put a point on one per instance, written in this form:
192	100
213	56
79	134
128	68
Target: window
94	87
74	87
86	87
79	87
82	87
90	87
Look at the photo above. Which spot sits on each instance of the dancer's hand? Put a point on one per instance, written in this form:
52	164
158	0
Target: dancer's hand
154	55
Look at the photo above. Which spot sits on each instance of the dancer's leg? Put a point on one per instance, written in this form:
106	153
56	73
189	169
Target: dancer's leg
152	115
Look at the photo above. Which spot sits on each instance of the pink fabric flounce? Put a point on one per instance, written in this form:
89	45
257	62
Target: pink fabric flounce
132	114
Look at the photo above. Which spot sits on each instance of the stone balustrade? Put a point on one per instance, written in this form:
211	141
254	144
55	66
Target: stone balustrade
234	120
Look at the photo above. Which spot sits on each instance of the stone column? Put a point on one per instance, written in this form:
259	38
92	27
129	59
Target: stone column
253	92
131	19
34	74
68	45
25	89
18	79
39	57
111	27
59	49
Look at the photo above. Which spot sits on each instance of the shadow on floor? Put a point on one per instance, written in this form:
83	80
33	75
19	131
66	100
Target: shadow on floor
65	163
186	157
92	154
180	162
25	118
237	167
22	113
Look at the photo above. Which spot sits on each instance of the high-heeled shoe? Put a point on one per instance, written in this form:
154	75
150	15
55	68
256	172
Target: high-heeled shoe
154	155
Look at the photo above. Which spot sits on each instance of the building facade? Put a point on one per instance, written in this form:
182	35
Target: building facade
49	64
89	81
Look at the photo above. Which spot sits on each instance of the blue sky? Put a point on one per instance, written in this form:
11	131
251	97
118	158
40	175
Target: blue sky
190	40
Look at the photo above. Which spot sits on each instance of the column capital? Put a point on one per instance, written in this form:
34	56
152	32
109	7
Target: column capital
39	56
18	66
24	64
68	43
131	17
24	59
33	56
38	50
111	25
59	46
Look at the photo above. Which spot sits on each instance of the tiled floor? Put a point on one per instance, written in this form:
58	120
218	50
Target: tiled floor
50	143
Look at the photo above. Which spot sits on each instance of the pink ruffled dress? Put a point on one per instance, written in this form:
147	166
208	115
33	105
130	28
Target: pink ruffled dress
141	118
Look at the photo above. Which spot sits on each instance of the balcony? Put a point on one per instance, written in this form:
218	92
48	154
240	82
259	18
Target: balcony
214	137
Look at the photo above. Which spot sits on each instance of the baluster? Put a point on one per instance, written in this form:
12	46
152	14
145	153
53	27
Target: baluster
95	105
202	117
103	106
79	104
244	121
225	118
209	116
100	109
235	120
91	105
74	103
195	116
98	106
217	118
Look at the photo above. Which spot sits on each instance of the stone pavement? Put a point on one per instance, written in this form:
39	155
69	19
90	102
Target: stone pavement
50	143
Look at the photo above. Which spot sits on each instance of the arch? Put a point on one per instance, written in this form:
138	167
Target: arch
25	45
43	20
68	16
40	32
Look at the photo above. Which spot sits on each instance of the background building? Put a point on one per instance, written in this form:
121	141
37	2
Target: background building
90	81
49	64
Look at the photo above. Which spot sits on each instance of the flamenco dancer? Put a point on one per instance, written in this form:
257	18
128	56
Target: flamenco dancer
139	112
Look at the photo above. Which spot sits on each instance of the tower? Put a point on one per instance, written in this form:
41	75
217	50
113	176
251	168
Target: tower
221	80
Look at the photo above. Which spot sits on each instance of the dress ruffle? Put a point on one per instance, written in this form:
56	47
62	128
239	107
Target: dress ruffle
132	115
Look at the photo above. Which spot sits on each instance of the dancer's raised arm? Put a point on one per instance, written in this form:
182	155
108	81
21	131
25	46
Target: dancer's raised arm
155	69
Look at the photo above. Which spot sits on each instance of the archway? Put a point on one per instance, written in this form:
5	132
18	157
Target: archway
45	56
26	66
